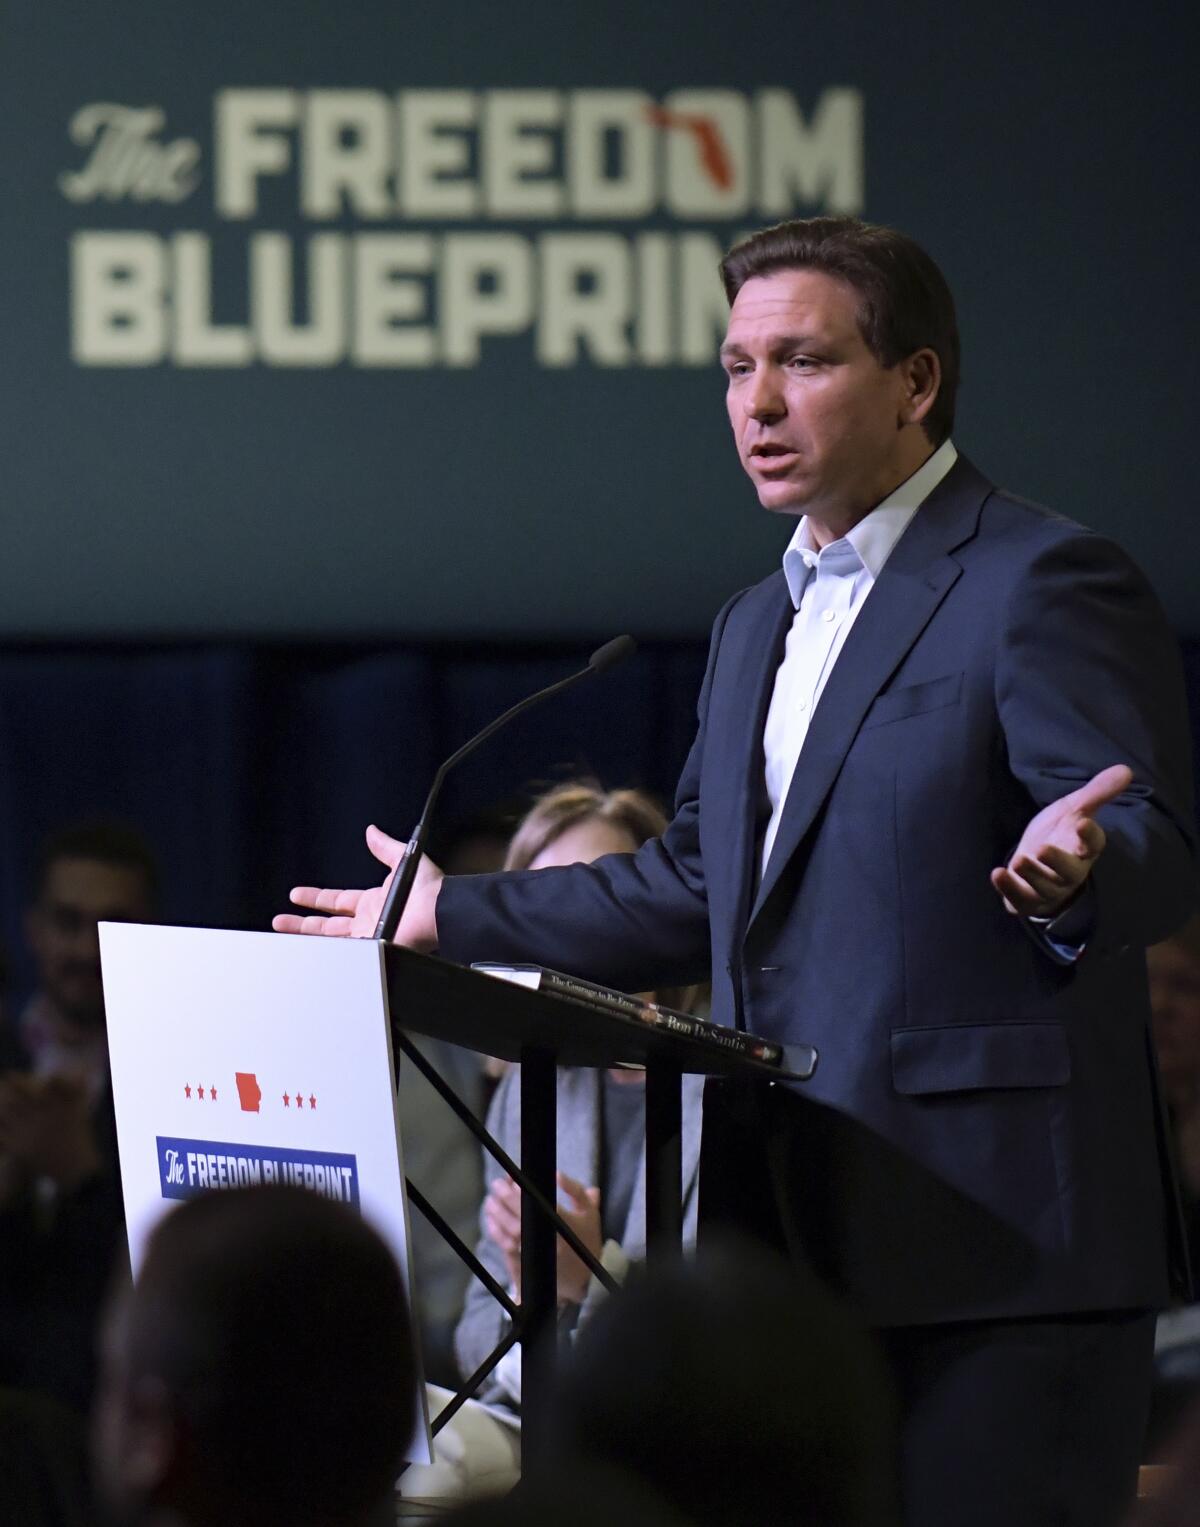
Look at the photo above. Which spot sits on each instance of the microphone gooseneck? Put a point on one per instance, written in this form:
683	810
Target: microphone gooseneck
405	873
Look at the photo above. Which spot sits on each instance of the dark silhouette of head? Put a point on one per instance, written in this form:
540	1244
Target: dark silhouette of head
261	1368
1173	1496
738	1390
574	1495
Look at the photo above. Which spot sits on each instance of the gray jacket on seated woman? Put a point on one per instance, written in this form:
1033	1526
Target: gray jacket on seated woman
589	1104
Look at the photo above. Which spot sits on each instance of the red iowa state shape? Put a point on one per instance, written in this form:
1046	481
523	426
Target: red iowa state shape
249	1092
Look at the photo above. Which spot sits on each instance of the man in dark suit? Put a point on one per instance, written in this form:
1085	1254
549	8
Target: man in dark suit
937	805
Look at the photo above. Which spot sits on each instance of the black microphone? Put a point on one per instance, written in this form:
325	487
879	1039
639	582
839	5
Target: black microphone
405	873
615	651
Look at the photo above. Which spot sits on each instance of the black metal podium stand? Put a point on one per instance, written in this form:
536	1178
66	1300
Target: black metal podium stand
431	997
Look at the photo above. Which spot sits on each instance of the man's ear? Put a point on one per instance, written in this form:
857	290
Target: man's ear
921	375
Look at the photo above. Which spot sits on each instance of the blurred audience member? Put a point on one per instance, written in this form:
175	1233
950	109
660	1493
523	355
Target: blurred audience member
61	1219
260	1371
440	1156
1169	1492
602	1176
441	1160
85	875
43	1464
735	1393
1174	967
576	1496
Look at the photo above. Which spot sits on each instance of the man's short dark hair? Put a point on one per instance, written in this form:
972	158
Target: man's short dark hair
905	304
99	842
277	1324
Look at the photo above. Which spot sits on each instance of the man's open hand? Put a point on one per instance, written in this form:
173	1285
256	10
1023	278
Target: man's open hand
1059	847
355	914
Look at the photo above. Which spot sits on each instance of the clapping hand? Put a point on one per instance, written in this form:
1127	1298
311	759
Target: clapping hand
1059	848
46	1128
502	1219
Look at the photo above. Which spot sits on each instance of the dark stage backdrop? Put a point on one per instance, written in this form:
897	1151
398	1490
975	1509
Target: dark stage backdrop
252	768
398	319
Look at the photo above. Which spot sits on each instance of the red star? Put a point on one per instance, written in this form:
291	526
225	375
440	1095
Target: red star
299	1101
187	1089
312	1102
212	1092
286	1101
200	1090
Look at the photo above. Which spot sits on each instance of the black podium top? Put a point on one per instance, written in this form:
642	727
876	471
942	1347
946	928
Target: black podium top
495	1017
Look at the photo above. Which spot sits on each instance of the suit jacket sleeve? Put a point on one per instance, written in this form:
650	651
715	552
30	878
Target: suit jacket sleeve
1088	675
632	921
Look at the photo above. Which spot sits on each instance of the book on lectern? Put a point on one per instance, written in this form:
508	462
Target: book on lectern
653	1014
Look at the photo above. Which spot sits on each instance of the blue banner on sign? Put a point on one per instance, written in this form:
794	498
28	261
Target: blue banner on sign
187	1167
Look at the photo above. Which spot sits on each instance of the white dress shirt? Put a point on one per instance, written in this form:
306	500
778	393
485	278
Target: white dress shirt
829	587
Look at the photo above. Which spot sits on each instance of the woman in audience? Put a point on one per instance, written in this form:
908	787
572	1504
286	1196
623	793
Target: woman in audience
602	1170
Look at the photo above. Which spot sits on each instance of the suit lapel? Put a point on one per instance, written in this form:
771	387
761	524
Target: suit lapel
914	581
761	653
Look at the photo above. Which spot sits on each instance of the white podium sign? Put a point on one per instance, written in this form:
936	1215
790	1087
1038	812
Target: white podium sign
242	1058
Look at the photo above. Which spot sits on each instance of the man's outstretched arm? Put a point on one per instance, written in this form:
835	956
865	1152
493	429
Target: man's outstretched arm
629	920
355	914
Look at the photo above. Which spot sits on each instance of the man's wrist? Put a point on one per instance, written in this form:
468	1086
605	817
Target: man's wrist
435	891
418	927
1066	934
1071	922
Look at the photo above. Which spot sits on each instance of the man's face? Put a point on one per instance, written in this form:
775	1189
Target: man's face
62	933
821	427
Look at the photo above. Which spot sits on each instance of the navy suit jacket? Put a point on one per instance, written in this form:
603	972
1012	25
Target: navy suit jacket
981	1136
